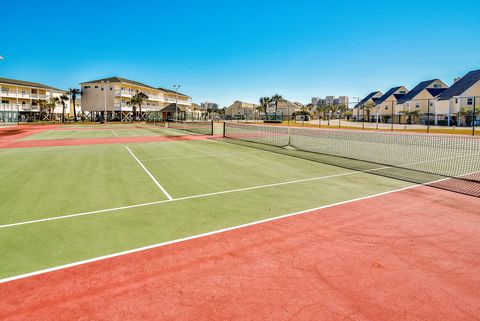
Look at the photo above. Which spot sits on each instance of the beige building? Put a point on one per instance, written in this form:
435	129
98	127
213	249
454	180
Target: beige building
114	94
421	99
241	110
463	95
285	108
370	99
385	105
23	97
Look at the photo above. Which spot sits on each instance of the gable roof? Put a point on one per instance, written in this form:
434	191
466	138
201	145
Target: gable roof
172	108
367	98
436	91
461	85
172	91
390	92
415	91
119	79
28	84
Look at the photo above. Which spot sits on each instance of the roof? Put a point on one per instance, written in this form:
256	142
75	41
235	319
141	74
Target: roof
28	84
415	91
399	96
172	108
369	96
390	92
436	91
171	91
462	85
197	107
119	79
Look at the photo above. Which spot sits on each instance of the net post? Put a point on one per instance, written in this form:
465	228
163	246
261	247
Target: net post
224	129
392	116
428	116
212	127
473	117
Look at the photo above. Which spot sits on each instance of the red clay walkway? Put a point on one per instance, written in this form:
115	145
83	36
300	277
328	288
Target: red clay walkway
409	255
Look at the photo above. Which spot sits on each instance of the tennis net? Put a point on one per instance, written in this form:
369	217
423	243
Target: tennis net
199	127
450	162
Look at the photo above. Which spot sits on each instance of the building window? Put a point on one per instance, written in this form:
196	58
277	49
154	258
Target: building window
96	87
86	87
469	101
402	92
386	107
417	105
436	86
456	100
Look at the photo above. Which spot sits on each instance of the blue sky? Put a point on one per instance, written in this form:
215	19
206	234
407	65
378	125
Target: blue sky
241	50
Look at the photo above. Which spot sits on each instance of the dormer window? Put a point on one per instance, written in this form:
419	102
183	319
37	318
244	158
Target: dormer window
469	101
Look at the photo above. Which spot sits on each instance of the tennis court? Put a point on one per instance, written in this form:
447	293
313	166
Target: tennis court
178	222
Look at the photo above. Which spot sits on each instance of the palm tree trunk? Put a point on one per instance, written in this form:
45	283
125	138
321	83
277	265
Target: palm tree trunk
74	111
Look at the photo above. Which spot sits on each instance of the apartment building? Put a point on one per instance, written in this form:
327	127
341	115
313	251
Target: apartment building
421	99
370	99
21	99
208	105
385	105
113	95
330	100
462	96
241	110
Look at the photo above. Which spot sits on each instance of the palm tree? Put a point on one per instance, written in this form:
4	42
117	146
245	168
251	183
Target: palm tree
368	108
322	109
42	106
276	99
63	98
410	115
52	103
264	102
74	92
342	108
137	100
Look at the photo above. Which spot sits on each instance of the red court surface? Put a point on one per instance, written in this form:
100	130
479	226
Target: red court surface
408	255
9	137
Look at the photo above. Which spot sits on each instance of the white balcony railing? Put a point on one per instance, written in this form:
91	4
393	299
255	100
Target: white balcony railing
18	107
12	94
154	97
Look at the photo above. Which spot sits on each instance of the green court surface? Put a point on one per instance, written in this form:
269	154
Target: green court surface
212	185
75	133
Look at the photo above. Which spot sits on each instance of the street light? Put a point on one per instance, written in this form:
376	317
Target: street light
176	100
104	86
358	107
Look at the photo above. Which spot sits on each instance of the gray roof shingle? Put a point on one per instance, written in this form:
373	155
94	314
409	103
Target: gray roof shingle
28	84
415	91
461	85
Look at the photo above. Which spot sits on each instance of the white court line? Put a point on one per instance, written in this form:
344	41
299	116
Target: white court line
114	133
61	267
149	174
199	156
177	199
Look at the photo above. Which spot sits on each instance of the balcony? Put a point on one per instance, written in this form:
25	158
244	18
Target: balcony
13	94
160	98
19	107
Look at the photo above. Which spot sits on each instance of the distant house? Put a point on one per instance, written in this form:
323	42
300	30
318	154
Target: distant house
371	98
285	108
385	105
462	95
240	110
421	98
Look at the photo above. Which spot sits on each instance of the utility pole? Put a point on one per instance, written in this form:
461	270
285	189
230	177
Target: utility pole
176	100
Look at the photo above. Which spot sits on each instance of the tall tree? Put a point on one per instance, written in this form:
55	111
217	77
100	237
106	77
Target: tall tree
276	99
51	104
63	99
42	107
367	107
137	100
264	102
74	92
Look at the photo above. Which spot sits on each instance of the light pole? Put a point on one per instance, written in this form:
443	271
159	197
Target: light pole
104	86
176	100
358	107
